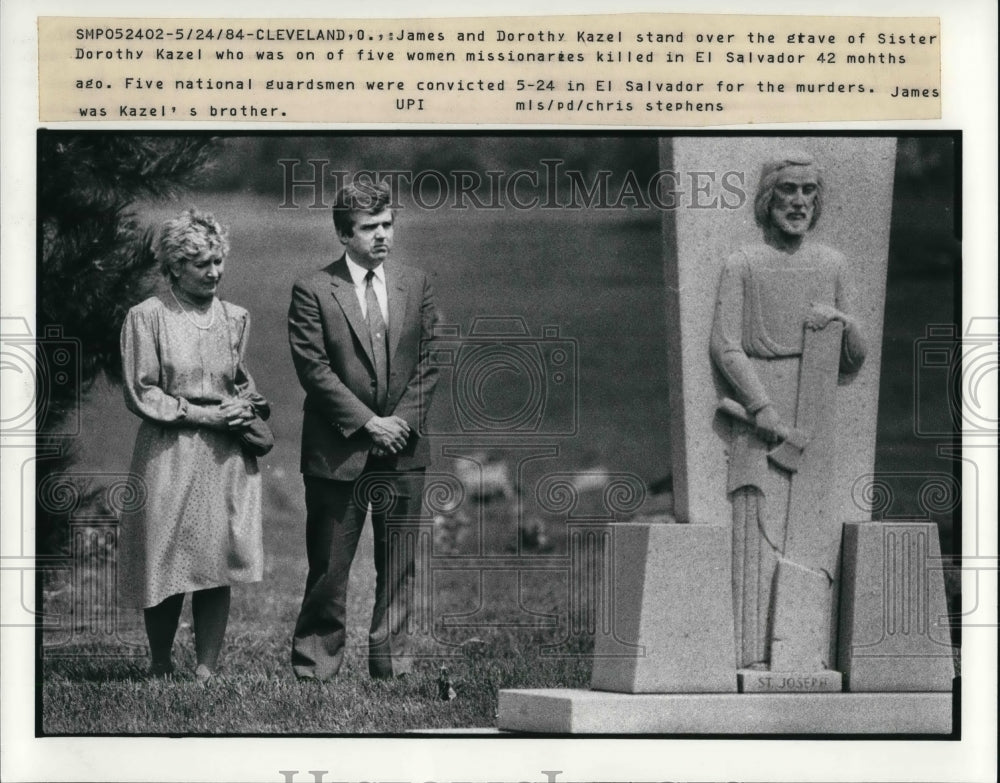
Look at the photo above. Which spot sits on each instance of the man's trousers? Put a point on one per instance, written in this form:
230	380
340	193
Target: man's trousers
336	512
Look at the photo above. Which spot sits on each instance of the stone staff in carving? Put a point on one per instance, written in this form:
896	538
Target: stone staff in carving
782	334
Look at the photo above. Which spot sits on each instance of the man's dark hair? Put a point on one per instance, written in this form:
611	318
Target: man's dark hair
362	196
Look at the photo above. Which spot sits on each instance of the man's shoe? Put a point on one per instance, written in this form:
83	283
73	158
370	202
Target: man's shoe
161	669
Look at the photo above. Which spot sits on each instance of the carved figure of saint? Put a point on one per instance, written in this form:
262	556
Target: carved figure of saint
782	334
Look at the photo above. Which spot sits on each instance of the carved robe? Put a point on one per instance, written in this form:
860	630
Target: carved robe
757	344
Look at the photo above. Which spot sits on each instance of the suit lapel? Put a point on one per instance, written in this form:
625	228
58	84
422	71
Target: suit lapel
347	298
396	290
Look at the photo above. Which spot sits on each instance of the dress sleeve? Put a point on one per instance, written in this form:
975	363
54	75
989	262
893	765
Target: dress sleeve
853	347
141	371
245	386
726	345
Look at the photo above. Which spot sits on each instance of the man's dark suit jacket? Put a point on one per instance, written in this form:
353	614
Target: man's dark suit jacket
332	355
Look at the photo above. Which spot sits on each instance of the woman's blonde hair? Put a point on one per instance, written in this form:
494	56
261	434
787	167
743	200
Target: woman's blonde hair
190	235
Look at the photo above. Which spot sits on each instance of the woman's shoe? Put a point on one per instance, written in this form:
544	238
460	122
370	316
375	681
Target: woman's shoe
203	675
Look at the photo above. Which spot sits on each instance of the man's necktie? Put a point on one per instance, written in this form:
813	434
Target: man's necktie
377	334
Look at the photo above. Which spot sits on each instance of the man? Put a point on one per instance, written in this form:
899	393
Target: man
783	332
359	331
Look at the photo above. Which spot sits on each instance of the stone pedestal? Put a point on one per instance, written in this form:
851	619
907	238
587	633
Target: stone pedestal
567	711
894	633
672	610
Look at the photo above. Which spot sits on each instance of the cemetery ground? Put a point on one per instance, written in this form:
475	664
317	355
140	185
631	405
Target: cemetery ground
598	277
105	690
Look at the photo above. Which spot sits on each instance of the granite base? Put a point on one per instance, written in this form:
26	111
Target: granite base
568	711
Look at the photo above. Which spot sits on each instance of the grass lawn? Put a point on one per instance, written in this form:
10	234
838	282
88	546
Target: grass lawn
89	689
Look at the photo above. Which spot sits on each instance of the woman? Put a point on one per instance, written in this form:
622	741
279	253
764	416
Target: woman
199	529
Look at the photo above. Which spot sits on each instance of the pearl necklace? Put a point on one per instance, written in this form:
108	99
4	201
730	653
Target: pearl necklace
190	318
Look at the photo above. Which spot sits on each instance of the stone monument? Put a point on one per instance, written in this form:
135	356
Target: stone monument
781	338
747	614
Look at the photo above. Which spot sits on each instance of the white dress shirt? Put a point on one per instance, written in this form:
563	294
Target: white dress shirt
358	274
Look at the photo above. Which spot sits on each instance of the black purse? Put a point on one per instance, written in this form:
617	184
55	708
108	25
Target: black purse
257	438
